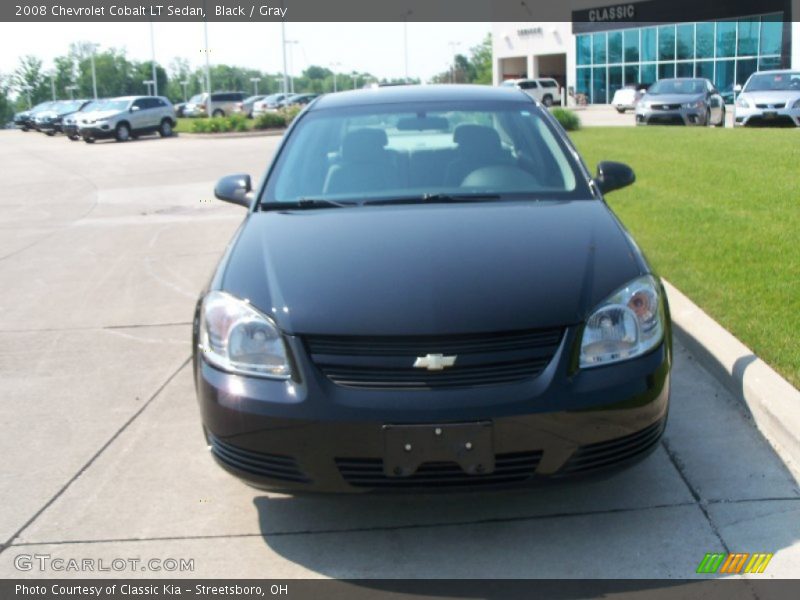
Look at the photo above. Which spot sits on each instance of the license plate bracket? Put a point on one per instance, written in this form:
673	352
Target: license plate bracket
770	114
406	447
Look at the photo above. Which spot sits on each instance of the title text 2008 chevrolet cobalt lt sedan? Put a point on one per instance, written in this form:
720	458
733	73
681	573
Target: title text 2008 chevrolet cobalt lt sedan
429	291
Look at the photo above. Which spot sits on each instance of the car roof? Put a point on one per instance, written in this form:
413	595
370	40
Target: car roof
419	93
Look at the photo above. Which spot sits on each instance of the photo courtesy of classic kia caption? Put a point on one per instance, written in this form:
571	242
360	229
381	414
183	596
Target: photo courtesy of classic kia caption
429	291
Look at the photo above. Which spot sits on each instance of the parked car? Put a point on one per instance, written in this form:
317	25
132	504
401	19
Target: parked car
128	117
456	307
769	98
179	108
628	96
269	103
297	100
681	101
545	89
218	104
25	120
245	107
70	125
51	121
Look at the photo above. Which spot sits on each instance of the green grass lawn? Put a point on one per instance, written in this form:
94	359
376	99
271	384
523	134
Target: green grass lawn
717	211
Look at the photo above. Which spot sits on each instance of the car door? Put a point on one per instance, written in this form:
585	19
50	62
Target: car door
138	115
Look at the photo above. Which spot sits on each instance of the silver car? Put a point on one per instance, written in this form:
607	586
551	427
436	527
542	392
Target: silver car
128	117
681	101
769	98
217	104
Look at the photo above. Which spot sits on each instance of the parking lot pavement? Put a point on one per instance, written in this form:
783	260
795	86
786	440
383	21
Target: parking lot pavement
103	252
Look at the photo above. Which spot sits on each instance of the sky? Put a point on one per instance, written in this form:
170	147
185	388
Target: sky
365	47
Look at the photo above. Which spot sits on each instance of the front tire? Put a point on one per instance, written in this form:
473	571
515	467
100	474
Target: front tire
547	100
89	140
123	132
165	129
73	138
620	110
218	113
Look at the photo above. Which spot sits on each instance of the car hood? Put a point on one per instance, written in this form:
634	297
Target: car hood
99	114
773	97
433	269
672	98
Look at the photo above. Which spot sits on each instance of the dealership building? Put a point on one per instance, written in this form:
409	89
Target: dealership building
598	47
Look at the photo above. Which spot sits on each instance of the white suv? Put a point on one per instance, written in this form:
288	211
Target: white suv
545	89
128	117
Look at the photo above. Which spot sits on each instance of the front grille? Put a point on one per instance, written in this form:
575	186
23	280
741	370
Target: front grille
665	106
779	105
387	362
368	473
603	454
273	466
665	120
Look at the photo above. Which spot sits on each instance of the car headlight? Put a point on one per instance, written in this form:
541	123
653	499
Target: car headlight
742	102
696	104
237	338
628	324
796	103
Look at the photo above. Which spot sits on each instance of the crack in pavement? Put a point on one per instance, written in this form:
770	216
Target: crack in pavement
8	543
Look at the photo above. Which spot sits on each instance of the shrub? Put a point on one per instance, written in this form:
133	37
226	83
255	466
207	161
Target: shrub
290	112
270	120
237	122
568	119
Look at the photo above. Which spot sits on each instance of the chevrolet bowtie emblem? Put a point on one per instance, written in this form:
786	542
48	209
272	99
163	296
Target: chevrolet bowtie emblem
434	362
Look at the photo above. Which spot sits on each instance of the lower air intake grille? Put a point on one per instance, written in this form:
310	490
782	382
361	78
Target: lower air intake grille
265	465
368	473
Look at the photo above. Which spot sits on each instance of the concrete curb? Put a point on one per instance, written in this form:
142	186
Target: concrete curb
772	401
235	134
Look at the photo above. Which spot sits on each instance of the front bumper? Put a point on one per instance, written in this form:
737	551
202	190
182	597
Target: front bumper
680	116
767	117
96	131
313	435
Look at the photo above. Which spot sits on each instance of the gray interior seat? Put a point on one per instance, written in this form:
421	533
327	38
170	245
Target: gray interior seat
366	165
478	146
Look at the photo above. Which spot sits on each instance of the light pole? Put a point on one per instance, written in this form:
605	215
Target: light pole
405	40
183	85
354	79
208	69
94	73
148	83
71	89
334	65
255	81
27	89
453	46
283	47
291	68
153	58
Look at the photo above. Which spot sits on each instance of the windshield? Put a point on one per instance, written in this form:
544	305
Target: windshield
196	99
678	86
418	150
70	106
114	105
774	82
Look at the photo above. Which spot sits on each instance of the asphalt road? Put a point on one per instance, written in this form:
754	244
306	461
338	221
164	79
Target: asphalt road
102	252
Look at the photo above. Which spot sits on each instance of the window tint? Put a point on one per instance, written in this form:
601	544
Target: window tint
528	85
370	152
548	84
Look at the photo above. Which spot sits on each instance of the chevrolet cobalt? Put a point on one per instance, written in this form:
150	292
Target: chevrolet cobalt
429	291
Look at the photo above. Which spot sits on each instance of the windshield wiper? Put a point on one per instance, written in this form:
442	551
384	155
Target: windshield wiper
435	199
305	204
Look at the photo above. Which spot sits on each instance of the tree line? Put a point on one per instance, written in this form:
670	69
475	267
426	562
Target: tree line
117	75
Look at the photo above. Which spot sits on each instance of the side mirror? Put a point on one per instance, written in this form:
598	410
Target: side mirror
613	176
236	189
737	88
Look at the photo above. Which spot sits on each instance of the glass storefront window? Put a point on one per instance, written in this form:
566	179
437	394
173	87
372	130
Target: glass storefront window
747	44
599	85
726	39
666	42
598	48
584	83
685	41
704	68
584	50
648	44
723	78
614	80
744	68
704	41
648	74
615	47
770	62
631	45
771	35
666	70
684	69
631	74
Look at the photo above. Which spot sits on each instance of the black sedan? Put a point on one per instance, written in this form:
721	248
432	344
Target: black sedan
429	291
26	120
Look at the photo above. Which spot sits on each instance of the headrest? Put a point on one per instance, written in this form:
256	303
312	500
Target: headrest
472	138
362	144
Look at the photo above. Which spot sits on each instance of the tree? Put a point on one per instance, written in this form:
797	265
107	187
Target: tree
30	82
475	68
6	107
